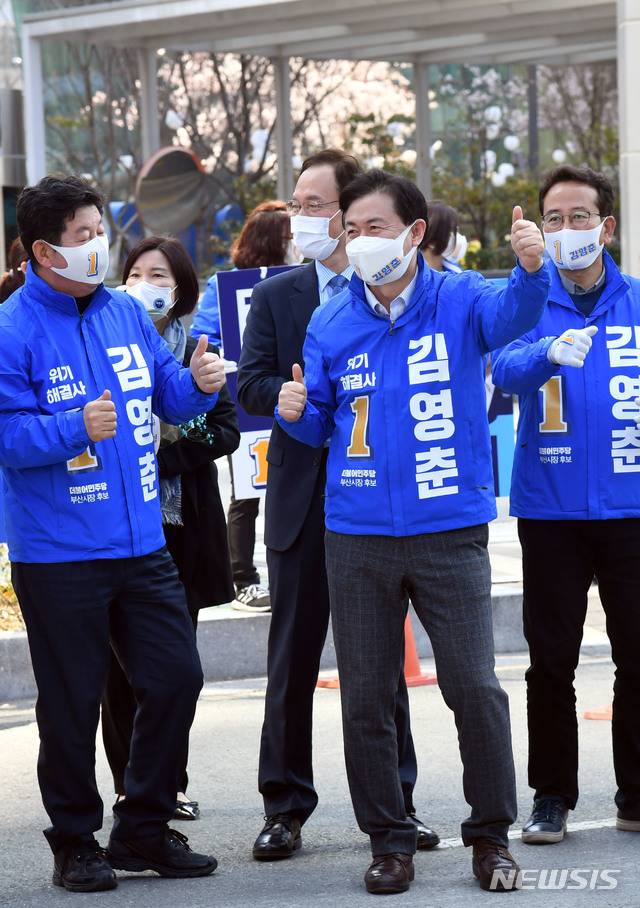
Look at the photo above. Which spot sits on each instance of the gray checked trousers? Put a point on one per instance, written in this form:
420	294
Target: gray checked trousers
447	576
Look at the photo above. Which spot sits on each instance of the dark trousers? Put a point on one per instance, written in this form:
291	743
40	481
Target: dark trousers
241	529
118	714
71	609
560	559
448	579
299	622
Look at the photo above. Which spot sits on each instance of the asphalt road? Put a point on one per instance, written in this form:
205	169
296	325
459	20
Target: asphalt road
595	865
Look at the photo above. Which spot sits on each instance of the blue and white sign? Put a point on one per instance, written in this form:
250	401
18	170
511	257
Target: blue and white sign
249	462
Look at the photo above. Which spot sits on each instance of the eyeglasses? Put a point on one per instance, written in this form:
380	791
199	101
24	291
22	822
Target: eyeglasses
294	207
579	219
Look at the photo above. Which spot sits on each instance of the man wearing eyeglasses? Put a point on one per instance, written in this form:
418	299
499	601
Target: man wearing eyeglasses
576	492
281	307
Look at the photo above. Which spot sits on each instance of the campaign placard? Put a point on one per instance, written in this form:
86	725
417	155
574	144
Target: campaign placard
249	462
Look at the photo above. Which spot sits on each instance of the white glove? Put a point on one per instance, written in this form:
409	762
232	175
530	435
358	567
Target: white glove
571	347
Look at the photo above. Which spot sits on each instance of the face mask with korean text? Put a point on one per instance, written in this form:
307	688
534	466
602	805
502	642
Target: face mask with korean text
456	249
86	264
311	236
574	249
156	300
378	260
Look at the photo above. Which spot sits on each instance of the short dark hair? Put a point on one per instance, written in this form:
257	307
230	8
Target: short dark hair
443	221
568	174
408	202
261	241
181	266
44	209
345	165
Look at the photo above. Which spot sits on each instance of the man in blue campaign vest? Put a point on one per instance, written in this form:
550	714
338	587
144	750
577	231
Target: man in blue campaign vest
576	492
395	373
294	516
83	369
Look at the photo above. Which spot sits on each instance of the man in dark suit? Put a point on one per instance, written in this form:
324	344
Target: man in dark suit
294	514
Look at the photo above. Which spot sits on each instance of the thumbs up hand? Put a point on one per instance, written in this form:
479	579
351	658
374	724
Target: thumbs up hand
571	348
100	419
526	241
207	368
293	396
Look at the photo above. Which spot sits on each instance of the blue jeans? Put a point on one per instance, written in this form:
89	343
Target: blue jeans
448	579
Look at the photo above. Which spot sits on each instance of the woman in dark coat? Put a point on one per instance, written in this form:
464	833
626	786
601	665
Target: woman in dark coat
160	274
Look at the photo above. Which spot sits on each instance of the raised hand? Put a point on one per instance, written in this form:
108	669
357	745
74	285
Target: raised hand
100	419
526	241
571	348
207	368
293	396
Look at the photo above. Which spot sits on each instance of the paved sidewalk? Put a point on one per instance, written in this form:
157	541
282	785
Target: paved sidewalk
328	871
595	865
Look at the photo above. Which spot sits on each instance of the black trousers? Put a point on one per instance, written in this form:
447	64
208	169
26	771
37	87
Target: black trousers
560	560
71	612
299	621
118	716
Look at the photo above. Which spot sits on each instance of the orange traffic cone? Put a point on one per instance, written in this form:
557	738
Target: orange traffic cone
412	671
601	712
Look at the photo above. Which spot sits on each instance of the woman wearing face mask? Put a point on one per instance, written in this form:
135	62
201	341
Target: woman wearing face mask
445	246
160	274
265	240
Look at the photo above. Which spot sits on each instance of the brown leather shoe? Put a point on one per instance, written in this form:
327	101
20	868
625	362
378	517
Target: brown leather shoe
494	867
390	873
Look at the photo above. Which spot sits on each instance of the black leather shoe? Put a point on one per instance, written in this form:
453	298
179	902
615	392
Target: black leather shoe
427	838
547	823
390	873
186	810
167	853
494	867
279	838
82	867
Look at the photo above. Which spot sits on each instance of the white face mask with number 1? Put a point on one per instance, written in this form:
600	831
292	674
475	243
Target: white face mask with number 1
86	264
571	249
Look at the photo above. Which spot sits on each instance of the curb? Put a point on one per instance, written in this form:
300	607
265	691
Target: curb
233	645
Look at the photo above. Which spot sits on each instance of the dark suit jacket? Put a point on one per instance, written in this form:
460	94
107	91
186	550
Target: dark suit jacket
203	557
273	338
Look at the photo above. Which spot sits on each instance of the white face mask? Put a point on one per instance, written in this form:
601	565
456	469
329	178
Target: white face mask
456	249
378	260
293	256
572	249
311	236
86	264
156	300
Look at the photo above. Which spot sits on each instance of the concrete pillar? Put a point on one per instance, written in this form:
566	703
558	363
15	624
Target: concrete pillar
284	141
629	122
149	122
33	107
423	129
